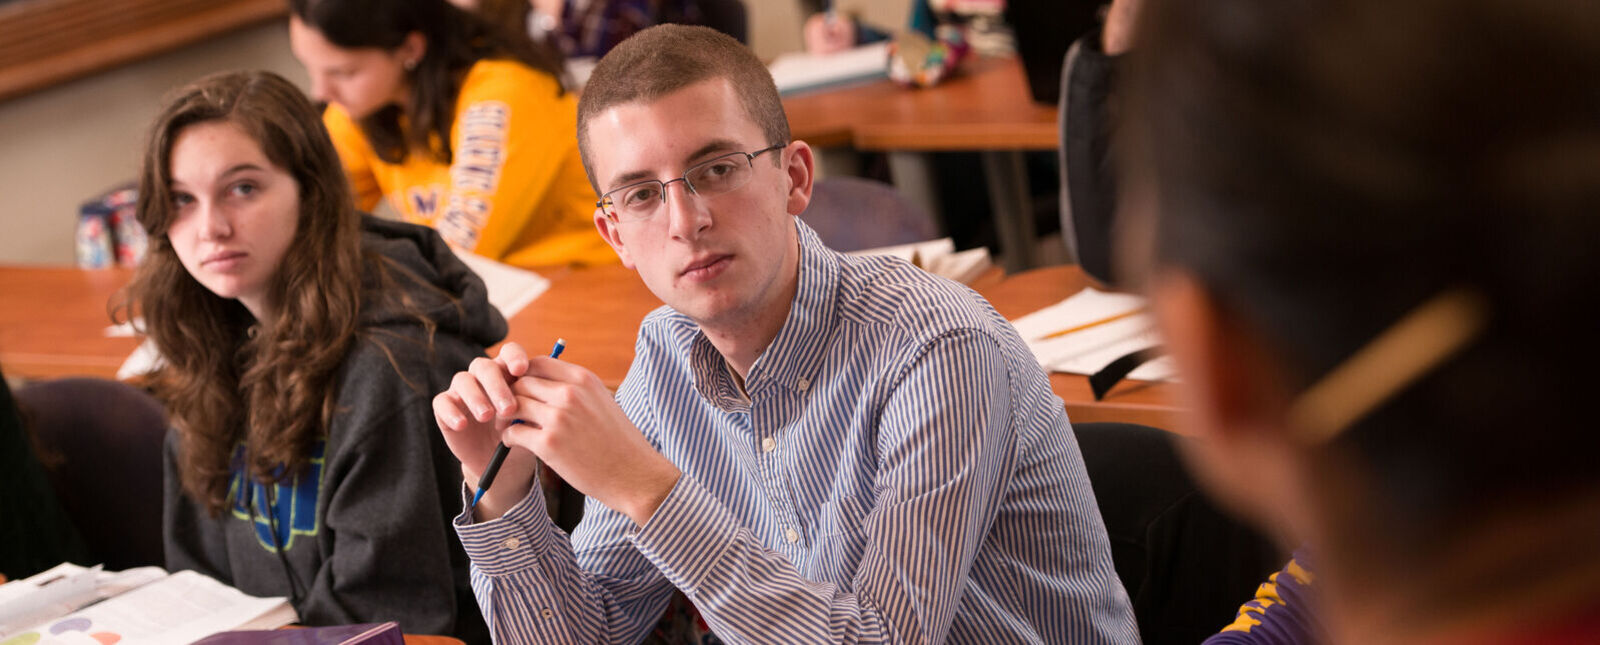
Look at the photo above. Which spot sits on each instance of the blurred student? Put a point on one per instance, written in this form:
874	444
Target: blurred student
302	342
584	30
1370	231
38	533
459	128
827	30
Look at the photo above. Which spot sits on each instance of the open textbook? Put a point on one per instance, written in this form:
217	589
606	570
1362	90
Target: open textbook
940	258
74	605
1099	328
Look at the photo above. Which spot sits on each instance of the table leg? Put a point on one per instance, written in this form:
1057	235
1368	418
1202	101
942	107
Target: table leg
1012	204
912	174
837	161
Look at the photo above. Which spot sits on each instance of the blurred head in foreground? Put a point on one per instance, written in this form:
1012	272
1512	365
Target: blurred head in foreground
1369	230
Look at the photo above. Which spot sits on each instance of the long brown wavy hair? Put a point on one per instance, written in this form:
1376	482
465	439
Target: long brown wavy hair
225	384
456	40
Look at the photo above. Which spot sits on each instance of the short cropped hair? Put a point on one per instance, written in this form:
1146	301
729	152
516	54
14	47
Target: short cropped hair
666	58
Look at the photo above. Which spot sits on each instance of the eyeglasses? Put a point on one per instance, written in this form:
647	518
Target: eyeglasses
641	201
1388	364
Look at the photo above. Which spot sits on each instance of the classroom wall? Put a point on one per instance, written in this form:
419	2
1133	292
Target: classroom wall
65	144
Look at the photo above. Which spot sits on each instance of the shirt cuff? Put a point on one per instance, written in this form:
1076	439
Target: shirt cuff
687	535
508	544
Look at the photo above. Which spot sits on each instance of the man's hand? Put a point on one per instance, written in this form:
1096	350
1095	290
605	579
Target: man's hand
575	426
473	414
826	34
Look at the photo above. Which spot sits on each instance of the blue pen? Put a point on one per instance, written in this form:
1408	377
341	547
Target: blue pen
500	453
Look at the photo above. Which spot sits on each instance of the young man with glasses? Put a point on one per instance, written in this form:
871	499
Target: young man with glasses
812	447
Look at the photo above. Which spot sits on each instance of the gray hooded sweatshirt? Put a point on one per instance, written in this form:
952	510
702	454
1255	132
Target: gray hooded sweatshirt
362	535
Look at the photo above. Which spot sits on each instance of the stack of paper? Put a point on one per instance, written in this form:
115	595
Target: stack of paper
1108	326
940	258
798	72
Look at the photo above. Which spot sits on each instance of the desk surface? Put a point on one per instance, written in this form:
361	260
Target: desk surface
596	309
985	107
53	321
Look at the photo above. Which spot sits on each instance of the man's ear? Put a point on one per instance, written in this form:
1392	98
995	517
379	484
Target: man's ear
801	168
1232	383
608	232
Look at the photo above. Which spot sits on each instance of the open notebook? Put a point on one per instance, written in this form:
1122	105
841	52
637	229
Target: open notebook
940	258
73	605
1086	332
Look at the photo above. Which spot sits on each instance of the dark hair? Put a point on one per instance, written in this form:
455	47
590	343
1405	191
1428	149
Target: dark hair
456	39
512	15
222	384
1324	167
663	59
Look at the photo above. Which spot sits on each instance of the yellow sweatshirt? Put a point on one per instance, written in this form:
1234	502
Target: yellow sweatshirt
515	190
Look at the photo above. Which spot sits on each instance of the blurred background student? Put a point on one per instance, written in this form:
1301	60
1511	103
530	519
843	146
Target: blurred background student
460	127
38	533
584	30
302	342
1369	228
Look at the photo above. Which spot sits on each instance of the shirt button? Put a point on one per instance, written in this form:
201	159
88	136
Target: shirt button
790	535
804	384
547	614
769	444
511	543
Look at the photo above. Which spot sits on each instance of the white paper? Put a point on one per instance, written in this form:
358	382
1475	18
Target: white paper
179	608
144	360
60	590
123	330
961	266
1089	350
795	72
510	288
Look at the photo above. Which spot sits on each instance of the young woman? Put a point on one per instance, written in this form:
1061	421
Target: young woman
1372	232
461	129
302	342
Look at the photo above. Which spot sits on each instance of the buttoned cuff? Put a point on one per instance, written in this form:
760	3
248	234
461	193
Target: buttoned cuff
687	535
510	543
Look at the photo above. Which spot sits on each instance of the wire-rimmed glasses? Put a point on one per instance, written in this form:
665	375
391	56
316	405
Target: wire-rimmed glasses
640	201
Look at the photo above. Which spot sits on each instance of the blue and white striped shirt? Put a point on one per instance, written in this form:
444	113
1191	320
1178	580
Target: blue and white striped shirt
900	471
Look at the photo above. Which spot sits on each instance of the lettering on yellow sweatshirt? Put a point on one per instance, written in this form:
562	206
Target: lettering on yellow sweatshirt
515	191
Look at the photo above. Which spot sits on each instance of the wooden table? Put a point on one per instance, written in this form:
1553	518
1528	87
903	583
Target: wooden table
53	324
596	309
987	108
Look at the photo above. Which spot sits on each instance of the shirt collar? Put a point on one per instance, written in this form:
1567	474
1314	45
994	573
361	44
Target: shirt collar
791	361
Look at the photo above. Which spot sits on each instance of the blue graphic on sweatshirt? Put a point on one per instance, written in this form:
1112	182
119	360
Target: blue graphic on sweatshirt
290	506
